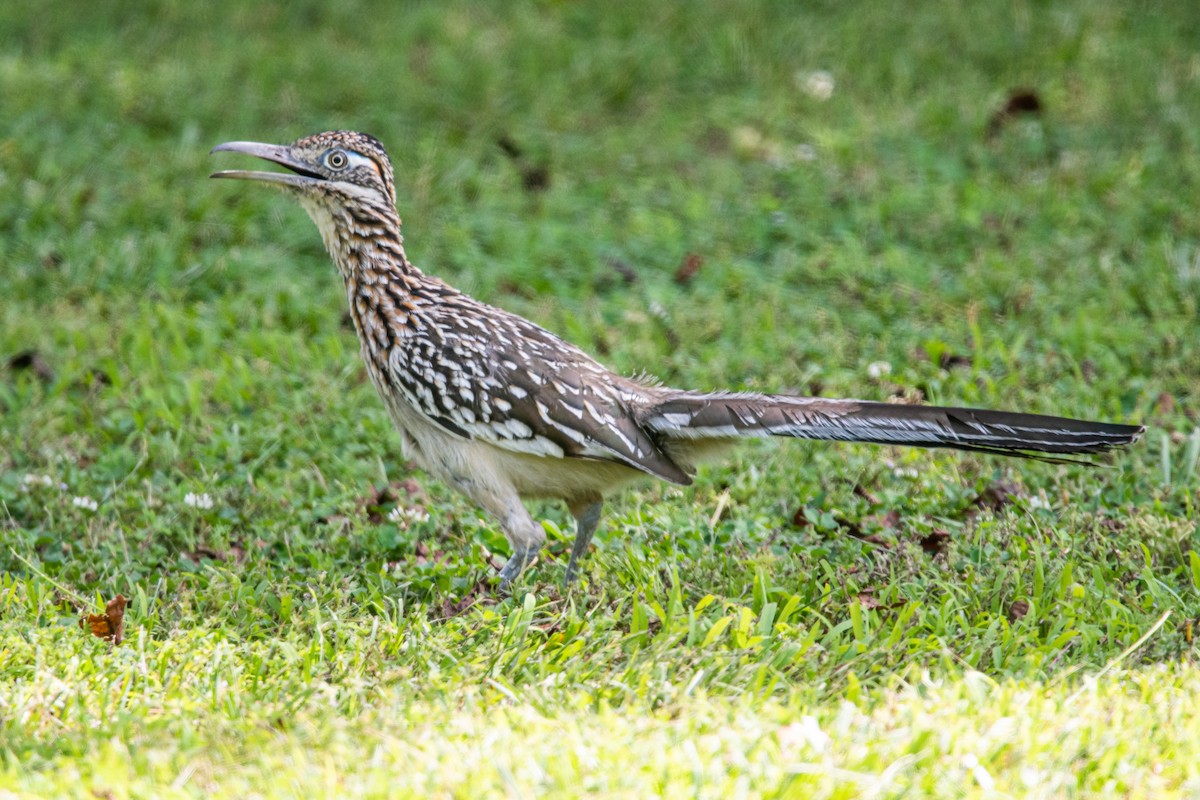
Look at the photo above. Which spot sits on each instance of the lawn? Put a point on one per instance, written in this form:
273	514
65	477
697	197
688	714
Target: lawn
972	204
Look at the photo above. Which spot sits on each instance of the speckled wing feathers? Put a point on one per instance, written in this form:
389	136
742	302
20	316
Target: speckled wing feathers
482	373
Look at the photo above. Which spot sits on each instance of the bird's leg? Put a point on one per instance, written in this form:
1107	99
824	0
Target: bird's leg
587	517
525	535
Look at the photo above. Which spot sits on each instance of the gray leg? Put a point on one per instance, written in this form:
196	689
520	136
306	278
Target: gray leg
524	534
587	517
526	537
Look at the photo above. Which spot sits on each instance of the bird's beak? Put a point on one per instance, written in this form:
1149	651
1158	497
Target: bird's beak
278	154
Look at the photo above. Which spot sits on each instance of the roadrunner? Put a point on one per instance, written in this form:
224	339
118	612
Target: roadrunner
503	410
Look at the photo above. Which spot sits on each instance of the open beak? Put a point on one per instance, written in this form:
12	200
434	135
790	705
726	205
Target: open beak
300	176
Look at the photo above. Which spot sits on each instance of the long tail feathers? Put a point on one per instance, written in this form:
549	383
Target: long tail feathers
694	415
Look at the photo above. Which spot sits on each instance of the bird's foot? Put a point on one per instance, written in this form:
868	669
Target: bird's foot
571	578
520	559
587	517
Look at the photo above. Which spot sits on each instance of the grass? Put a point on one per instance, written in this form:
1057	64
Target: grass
808	620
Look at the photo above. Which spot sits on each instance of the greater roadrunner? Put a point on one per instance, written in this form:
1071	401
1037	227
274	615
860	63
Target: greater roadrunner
503	410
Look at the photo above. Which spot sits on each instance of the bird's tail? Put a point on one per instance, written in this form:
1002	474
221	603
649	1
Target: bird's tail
684	416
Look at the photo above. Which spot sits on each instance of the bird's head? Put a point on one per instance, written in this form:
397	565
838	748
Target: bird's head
336	169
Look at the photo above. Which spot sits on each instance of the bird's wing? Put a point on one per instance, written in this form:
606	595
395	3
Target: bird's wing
498	378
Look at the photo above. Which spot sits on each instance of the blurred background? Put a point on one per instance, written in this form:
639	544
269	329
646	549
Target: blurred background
990	204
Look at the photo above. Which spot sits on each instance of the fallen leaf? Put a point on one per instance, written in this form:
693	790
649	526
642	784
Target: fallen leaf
1112	524
1017	610
204	551
889	520
688	268
997	496
32	360
374	503
1166	403
948	360
427	556
111	624
622	268
935	542
800	518
855	529
862	492
868	600
453	608
1020	101
236	553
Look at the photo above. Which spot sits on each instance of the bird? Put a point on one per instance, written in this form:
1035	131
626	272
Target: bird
504	411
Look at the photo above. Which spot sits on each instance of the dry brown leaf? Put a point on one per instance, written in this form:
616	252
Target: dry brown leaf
948	360
1166	404
688	268
1020	101
868	600
935	542
1017	610
426	556
32	360
889	520
623	268
854	529
375	502
111	624
476	594
996	496
862	492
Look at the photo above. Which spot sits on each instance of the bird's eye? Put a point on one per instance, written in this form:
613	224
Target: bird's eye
336	159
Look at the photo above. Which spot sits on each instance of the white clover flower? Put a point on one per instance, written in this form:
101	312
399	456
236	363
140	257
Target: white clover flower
403	515
818	85
1037	500
877	369
85	502
30	480
202	501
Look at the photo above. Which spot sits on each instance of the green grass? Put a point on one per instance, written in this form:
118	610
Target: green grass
733	639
